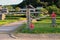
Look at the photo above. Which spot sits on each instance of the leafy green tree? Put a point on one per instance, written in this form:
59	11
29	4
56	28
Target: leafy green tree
58	4
9	7
37	3
53	8
44	10
17	9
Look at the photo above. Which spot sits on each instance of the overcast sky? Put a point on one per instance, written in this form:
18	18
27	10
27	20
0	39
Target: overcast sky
10	2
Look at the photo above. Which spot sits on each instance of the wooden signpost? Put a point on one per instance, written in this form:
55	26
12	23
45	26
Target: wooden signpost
28	17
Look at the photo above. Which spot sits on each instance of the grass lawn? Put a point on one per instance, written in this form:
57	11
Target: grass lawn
49	21
10	19
43	26
2	22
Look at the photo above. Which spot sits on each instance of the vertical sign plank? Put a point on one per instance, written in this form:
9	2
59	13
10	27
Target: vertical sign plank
28	18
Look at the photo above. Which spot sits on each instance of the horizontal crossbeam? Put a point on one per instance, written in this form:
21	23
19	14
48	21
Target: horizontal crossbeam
18	12
22	11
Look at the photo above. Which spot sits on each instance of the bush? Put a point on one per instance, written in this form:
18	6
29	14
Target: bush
17	9
53	8
44	11
41	15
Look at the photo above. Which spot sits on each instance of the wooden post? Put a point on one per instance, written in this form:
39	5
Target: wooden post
28	18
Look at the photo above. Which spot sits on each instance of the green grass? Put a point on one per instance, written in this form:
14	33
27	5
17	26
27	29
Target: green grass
2	22
49	21
46	28
10	18
43	26
40	28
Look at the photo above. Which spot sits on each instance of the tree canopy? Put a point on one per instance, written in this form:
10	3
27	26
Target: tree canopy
37	3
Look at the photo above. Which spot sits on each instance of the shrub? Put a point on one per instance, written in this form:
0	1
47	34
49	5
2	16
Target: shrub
44	11
17	9
53	8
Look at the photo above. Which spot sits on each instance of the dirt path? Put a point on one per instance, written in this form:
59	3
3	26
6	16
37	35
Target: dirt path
32	37
11	27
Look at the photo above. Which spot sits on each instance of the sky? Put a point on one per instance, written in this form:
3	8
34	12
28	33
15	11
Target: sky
10	2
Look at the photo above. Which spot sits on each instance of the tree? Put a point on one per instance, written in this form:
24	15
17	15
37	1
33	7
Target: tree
17	9
9	8
58	3
26	2
37	3
53	8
